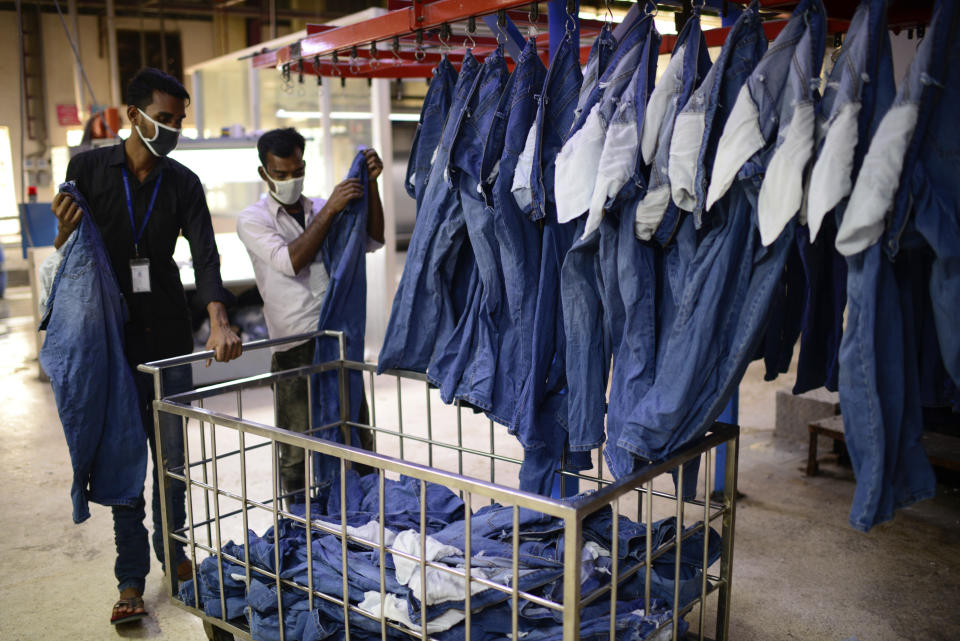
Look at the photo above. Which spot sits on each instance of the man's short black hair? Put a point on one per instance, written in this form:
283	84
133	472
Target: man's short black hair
280	143
141	87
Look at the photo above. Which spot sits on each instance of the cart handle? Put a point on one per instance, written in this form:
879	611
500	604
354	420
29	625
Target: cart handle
173	361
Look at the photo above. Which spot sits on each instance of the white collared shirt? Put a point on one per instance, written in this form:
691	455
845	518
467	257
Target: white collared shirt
291	301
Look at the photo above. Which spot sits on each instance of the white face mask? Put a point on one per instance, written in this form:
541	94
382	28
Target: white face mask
287	192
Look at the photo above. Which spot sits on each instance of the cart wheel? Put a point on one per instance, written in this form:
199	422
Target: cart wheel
216	634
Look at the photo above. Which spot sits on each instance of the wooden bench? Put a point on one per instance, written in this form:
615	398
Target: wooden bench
942	450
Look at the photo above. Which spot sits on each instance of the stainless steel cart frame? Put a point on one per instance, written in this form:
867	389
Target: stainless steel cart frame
212	505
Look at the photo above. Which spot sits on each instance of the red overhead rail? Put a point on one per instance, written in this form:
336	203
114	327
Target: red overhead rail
415	26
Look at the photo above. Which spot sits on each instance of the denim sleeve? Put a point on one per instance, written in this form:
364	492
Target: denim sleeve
198	230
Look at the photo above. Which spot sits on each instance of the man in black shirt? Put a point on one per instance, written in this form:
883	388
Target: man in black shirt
141	201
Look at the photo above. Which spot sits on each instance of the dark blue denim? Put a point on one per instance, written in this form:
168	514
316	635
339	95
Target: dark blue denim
431	295
540	560
631	622
555	115
929	187
95	392
786	315
541	415
452	367
589	326
345	310
729	283
436	105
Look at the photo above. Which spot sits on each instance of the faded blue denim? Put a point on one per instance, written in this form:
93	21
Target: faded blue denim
879	374
431	295
83	354
729	283
865	54
433	115
588	325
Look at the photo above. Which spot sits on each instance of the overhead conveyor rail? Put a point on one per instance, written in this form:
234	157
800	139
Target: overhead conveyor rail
409	40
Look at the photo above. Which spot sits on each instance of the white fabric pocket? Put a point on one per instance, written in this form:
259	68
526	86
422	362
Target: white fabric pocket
781	193
872	197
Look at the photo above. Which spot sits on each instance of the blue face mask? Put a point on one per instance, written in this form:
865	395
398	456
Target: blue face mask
164	139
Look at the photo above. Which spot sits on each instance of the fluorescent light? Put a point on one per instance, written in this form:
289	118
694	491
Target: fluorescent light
344	115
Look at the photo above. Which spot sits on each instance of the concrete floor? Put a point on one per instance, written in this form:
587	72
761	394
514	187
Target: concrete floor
800	571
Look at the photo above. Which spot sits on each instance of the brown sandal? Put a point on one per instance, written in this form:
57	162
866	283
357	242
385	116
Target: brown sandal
133	607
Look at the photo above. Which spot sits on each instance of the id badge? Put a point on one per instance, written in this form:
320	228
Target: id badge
140	275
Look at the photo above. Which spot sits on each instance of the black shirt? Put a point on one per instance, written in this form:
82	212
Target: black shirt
159	324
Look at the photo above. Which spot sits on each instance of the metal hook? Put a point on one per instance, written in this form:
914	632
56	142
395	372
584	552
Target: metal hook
471	29
354	61
395	50
444	38
501	27
316	70
300	71
609	17
571	22
419	54
697	6
374	59
651	8
336	64
533	16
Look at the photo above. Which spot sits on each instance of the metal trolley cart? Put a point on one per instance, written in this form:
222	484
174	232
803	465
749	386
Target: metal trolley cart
231	475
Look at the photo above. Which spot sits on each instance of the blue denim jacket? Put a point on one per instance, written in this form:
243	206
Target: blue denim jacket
83	354
344	309
431	297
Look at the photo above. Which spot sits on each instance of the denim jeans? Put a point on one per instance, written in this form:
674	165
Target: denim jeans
541	414
436	105
345	310
431	294
130	535
881	349
464	364
510	236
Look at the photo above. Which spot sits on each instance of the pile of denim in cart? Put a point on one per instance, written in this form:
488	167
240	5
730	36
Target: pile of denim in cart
540	570
598	256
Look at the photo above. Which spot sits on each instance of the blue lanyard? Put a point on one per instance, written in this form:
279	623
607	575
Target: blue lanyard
137	235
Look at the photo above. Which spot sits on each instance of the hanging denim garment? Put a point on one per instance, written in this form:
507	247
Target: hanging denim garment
729	283
504	234
83	354
588	326
428	302
858	93
540	417
630	276
633	285
453	367
345	310
908	167
436	105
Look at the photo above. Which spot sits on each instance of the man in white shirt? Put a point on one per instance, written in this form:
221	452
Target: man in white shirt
283	233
